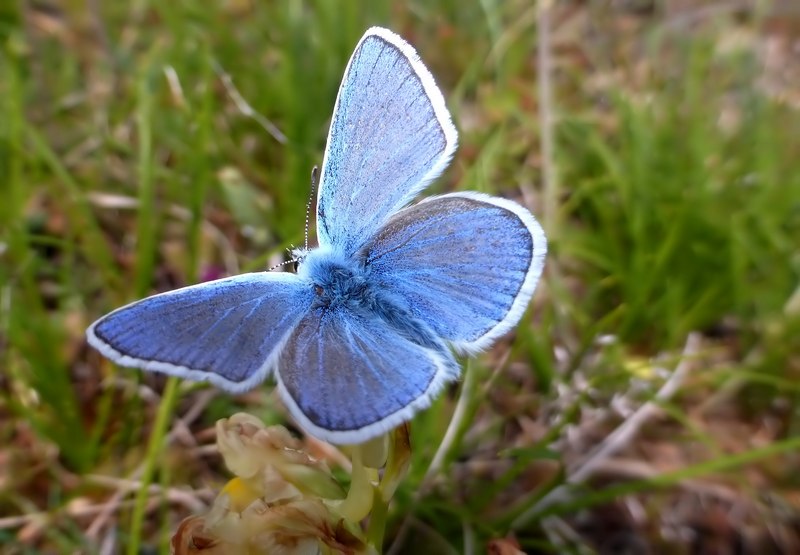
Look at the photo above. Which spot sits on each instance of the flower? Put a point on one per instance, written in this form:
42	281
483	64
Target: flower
281	500
271	462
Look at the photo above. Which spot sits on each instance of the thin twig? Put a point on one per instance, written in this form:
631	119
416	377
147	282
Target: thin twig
109	544
78	510
115	501
618	439
245	108
565	537
715	11
123	202
453	429
46	516
193	499
624	434
496	373
469	539
630	469
547	119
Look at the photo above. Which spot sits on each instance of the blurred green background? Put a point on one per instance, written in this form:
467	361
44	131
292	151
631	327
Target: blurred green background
648	402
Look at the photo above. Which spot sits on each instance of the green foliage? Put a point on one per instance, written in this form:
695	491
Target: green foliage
127	167
678	222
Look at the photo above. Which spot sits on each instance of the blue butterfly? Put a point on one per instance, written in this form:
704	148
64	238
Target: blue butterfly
362	336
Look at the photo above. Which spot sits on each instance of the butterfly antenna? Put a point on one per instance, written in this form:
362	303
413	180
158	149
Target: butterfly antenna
295	259
284	263
314	174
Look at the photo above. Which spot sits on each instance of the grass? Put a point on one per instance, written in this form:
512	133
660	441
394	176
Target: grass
127	167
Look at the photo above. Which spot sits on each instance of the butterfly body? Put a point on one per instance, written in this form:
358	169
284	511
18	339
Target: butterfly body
364	334
351	286
337	281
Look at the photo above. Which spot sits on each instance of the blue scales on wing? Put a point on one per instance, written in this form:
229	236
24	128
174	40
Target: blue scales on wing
390	136
465	263
348	376
228	332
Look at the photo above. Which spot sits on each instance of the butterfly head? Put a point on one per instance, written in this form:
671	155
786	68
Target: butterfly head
337	280
299	255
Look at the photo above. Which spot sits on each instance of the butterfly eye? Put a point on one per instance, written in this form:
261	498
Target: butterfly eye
318	290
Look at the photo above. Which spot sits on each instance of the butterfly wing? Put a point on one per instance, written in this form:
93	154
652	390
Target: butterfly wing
229	332
466	263
390	135
348	377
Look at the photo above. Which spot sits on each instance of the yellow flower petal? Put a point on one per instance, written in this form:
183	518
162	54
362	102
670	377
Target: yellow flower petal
240	494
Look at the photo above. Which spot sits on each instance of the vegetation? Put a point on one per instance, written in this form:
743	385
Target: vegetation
649	398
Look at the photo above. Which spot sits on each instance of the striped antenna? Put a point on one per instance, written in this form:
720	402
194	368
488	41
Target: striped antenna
314	174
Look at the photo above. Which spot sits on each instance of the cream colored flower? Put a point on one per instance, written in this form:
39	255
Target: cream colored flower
271	461
282	500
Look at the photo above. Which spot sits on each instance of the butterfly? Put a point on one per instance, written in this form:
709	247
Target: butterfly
363	335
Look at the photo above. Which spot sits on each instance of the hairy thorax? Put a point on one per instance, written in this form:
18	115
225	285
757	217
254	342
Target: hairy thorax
338	281
344	283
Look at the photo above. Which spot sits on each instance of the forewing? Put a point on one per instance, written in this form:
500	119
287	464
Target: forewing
390	135
347	378
465	263
228	332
